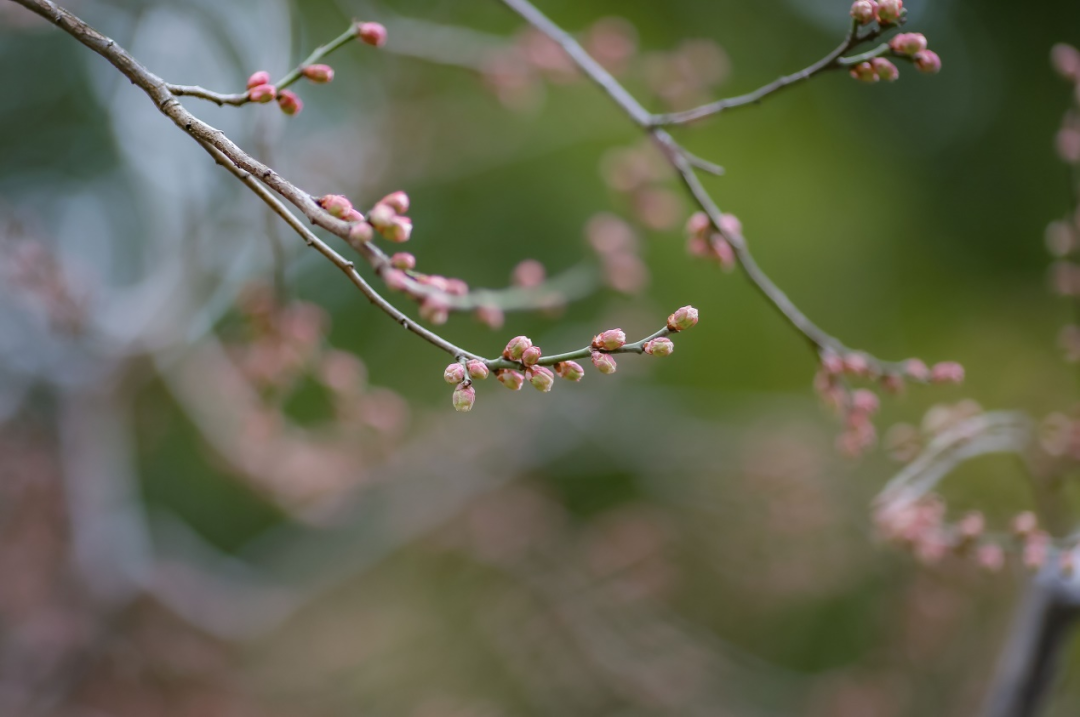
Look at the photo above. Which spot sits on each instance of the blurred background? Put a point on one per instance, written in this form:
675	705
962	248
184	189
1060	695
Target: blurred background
230	486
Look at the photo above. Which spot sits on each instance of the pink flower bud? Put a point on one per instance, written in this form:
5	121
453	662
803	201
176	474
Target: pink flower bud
884	69
530	356
381	216
857	364
683	318
889	11
435	281
398	201
353	216
917	369
865	401
336	205
990	557
1036	548
864	72
403	260
516	347
513	380
1025	523
659	347
730	225
319	74
540	377
892	382
454	373
947	372
908	43
399	230
491	316
570	370
464	398
262	93
371	33
434	310
1066	61
360	233
605	363
831	362
477	369
262	77
528	274
971	526
609	340
456	287
698	224
927	62
289	103
724	253
395	279
863	11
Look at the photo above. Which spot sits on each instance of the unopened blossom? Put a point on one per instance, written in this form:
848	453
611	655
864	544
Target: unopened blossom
491	316
884	69
865	401
403	260
1025	523
435	281
372	33
540	377
928	62
319	74
990	556
396	280
513	380
971	526
864	72
660	346
262	77
454	373
831	362
464	397
1066	61
381	216
398	201
570	370
730	225
531	355
1036	549
609	340
289	102
528	274
947	372
516	347
857	364
353	216
477	369
724	252
908	43
434	310
698	224
684	318
262	93
360	233
889	11
917	369
399	230
336	205
892	383
605	363
863	11
456	287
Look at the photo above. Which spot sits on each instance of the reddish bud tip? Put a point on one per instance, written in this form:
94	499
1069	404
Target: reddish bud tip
865	402
477	369
917	369
864	11
353	216
928	62
1066	61
262	77
541	378
947	372
605	363
516	347
698	224
683	318
371	33
360	233
464	398
570	370
513	380
289	103
434	310
889	11
908	43
336	205
884	69
454	373
398	201
262	93
403	260
609	340
319	74
659	347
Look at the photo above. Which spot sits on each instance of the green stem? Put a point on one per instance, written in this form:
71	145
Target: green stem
319	53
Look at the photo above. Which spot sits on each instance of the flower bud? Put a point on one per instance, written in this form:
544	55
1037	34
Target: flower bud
513	380
456	287
371	33
1066	61
990	557
454	373
889	11
908	43
1025	523
683	318
698	224
262	93
927	62
730	225
319	74
857	364
609	340
289	103
464	398
353	216
434	310
336	205
865	401
490	316
477	369
864	72
381	216
605	363
403	260
570	370
892	382
516	347
831	362
262	77
658	347
863	11
884	69
399	230
540	377
530	356
398	201
528	273
395	279
917	369
360	233
947	372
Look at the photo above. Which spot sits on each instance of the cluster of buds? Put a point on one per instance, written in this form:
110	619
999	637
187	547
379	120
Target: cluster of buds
907	46
1066	61
704	241
883	12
